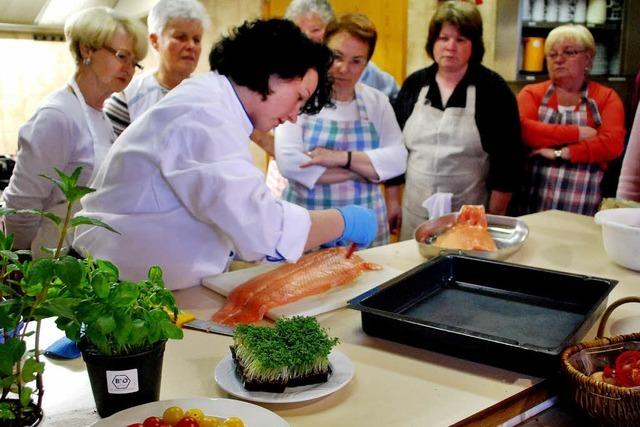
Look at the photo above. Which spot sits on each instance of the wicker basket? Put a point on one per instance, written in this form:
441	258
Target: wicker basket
608	404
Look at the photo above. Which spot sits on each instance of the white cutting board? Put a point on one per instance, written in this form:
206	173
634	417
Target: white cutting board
311	305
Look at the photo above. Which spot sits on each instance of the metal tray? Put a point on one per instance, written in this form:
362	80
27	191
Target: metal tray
507	315
509	234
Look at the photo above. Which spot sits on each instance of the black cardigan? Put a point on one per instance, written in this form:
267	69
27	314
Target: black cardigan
496	117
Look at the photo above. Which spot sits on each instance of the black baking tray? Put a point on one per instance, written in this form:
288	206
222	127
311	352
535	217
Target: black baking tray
507	315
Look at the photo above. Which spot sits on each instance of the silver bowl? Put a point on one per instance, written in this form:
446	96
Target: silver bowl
509	234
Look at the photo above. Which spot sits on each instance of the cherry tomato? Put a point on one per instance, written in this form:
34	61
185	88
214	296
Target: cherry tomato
188	422
153	422
233	422
208	421
195	413
628	368
172	415
136	425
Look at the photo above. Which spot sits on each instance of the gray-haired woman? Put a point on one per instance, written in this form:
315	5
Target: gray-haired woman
69	129
175	32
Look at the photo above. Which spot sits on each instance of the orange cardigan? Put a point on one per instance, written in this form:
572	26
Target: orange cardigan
605	146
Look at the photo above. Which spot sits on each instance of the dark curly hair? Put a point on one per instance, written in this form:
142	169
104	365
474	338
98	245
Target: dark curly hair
259	49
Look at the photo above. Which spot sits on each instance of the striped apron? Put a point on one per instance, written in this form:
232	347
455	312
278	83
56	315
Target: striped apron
560	184
357	135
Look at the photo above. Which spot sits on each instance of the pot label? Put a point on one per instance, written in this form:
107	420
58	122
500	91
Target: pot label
122	382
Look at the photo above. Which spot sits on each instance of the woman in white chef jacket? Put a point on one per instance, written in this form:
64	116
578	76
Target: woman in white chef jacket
69	129
175	33
339	156
180	185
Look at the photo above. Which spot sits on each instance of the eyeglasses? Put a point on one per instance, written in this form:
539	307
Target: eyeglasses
568	53
124	57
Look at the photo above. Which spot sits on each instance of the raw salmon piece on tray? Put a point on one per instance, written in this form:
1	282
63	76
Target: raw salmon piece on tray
313	274
470	232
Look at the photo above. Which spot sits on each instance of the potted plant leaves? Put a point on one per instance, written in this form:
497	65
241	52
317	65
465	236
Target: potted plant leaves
31	291
109	318
121	328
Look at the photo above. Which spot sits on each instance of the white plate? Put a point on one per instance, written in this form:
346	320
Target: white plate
252	415
342	372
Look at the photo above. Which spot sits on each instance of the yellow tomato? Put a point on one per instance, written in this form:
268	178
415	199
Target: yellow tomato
233	422
172	415
208	421
195	413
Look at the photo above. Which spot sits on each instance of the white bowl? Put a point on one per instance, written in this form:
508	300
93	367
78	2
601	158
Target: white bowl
621	235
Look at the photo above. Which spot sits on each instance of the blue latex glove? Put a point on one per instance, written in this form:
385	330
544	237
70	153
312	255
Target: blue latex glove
360	226
64	348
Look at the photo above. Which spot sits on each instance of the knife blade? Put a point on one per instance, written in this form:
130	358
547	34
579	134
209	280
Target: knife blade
209	326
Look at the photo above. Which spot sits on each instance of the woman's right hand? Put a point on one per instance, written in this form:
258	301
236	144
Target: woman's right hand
586	132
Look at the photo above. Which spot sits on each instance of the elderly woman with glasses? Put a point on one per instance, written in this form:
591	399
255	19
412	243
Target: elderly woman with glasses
573	127
69	129
175	33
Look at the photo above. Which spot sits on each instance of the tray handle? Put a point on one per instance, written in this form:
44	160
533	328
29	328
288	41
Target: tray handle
609	310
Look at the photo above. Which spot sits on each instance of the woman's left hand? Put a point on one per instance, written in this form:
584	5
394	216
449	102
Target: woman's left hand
548	153
324	157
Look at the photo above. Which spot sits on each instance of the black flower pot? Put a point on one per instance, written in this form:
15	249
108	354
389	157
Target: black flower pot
120	382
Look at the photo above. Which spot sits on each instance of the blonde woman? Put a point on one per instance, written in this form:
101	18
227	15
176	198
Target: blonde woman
572	126
69	129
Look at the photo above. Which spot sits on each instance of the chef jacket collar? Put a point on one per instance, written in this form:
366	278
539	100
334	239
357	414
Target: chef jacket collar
241	104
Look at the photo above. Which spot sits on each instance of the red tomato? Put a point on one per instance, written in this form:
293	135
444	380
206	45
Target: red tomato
627	365
154	422
136	425
188	422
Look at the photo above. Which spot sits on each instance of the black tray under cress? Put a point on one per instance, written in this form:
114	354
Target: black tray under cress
507	315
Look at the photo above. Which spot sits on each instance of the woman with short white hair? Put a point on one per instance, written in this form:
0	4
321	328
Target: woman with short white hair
69	129
572	125
175	32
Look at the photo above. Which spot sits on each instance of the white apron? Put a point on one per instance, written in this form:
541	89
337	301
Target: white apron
102	137
445	156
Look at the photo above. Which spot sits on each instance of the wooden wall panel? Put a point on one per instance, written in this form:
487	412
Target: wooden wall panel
390	18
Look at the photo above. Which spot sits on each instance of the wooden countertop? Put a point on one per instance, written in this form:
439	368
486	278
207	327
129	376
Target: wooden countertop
394	384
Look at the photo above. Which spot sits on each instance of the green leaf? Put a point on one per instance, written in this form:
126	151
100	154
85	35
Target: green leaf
6	382
155	274
124	294
100	285
31	369
85	220
5	411
58	306
41	271
55	219
25	395
109	268
106	324
10	255
11	352
171	331
70	270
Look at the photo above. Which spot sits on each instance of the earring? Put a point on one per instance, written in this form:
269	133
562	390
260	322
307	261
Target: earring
86	61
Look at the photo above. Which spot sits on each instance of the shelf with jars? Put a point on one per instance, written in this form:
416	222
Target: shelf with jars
522	27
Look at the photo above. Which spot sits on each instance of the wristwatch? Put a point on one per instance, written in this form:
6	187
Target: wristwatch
558	153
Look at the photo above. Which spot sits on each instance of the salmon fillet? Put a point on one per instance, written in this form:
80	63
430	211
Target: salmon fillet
313	274
470	232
